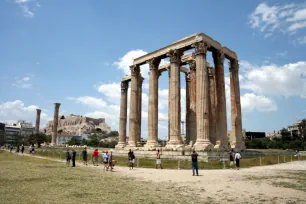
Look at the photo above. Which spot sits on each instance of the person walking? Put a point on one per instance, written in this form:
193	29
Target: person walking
22	149
231	158
33	149
158	161
17	149
237	159
105	161
11	148
194	163
84	155
95	157
73	157
110	160
131	157
68	158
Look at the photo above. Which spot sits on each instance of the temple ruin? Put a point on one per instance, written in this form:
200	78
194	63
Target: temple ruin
206	123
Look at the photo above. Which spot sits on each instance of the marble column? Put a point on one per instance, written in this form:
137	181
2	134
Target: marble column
192	118
153	104
38	111
133	123
187	134
212	105
123	115
202	95
175	97
221	120
169	105
55	123
237	142
139	111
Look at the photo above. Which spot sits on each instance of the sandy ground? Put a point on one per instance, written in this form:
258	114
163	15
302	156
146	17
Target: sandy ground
250	185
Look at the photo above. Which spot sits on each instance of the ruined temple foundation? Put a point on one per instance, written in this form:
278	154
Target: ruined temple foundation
206	125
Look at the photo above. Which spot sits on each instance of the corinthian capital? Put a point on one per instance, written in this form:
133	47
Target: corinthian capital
175	56
200	47
135	70
124	85
234	65
192	65
218	56
154	63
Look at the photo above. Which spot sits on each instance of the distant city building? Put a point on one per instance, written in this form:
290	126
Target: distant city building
295	128
2	134
12	134
252	135
63	138
26	128
273	135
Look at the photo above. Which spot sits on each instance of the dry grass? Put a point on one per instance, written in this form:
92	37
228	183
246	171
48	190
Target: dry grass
29	180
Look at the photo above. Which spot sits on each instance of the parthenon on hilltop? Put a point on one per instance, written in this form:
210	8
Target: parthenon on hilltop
206	125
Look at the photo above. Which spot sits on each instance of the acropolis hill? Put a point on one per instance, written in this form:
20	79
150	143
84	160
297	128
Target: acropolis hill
77	124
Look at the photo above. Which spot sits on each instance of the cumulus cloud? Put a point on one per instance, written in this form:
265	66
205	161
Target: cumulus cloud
286	18
287	80
126	61
12	111
22	83
302	40
111	90
250	102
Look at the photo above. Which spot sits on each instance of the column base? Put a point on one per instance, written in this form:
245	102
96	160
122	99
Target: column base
203	146
139	144
132	144
174	145
237	147
150	146
221	147
120	145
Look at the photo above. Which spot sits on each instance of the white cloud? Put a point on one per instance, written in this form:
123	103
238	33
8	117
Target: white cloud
111	90
250	102
22	83
302	40
286	18
126	61
91	102
12	111
28	7
287	80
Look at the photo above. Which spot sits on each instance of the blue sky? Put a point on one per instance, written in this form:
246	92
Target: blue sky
76	52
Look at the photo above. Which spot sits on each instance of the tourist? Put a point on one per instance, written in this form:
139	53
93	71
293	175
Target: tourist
237	159
73	157
95	157
231	158
131	157
105	161
11	148
18	149
33	149
110	160
30	149
158	161
84	155
194	162
22	149
68	157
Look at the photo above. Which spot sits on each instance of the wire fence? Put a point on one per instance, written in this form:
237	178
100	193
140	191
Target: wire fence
149	162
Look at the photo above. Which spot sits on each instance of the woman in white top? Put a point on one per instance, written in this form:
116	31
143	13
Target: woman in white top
237	159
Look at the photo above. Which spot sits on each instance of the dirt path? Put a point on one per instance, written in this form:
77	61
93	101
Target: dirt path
251	185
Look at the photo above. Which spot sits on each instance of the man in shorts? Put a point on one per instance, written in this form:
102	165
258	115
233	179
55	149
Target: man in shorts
105	161
158	161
